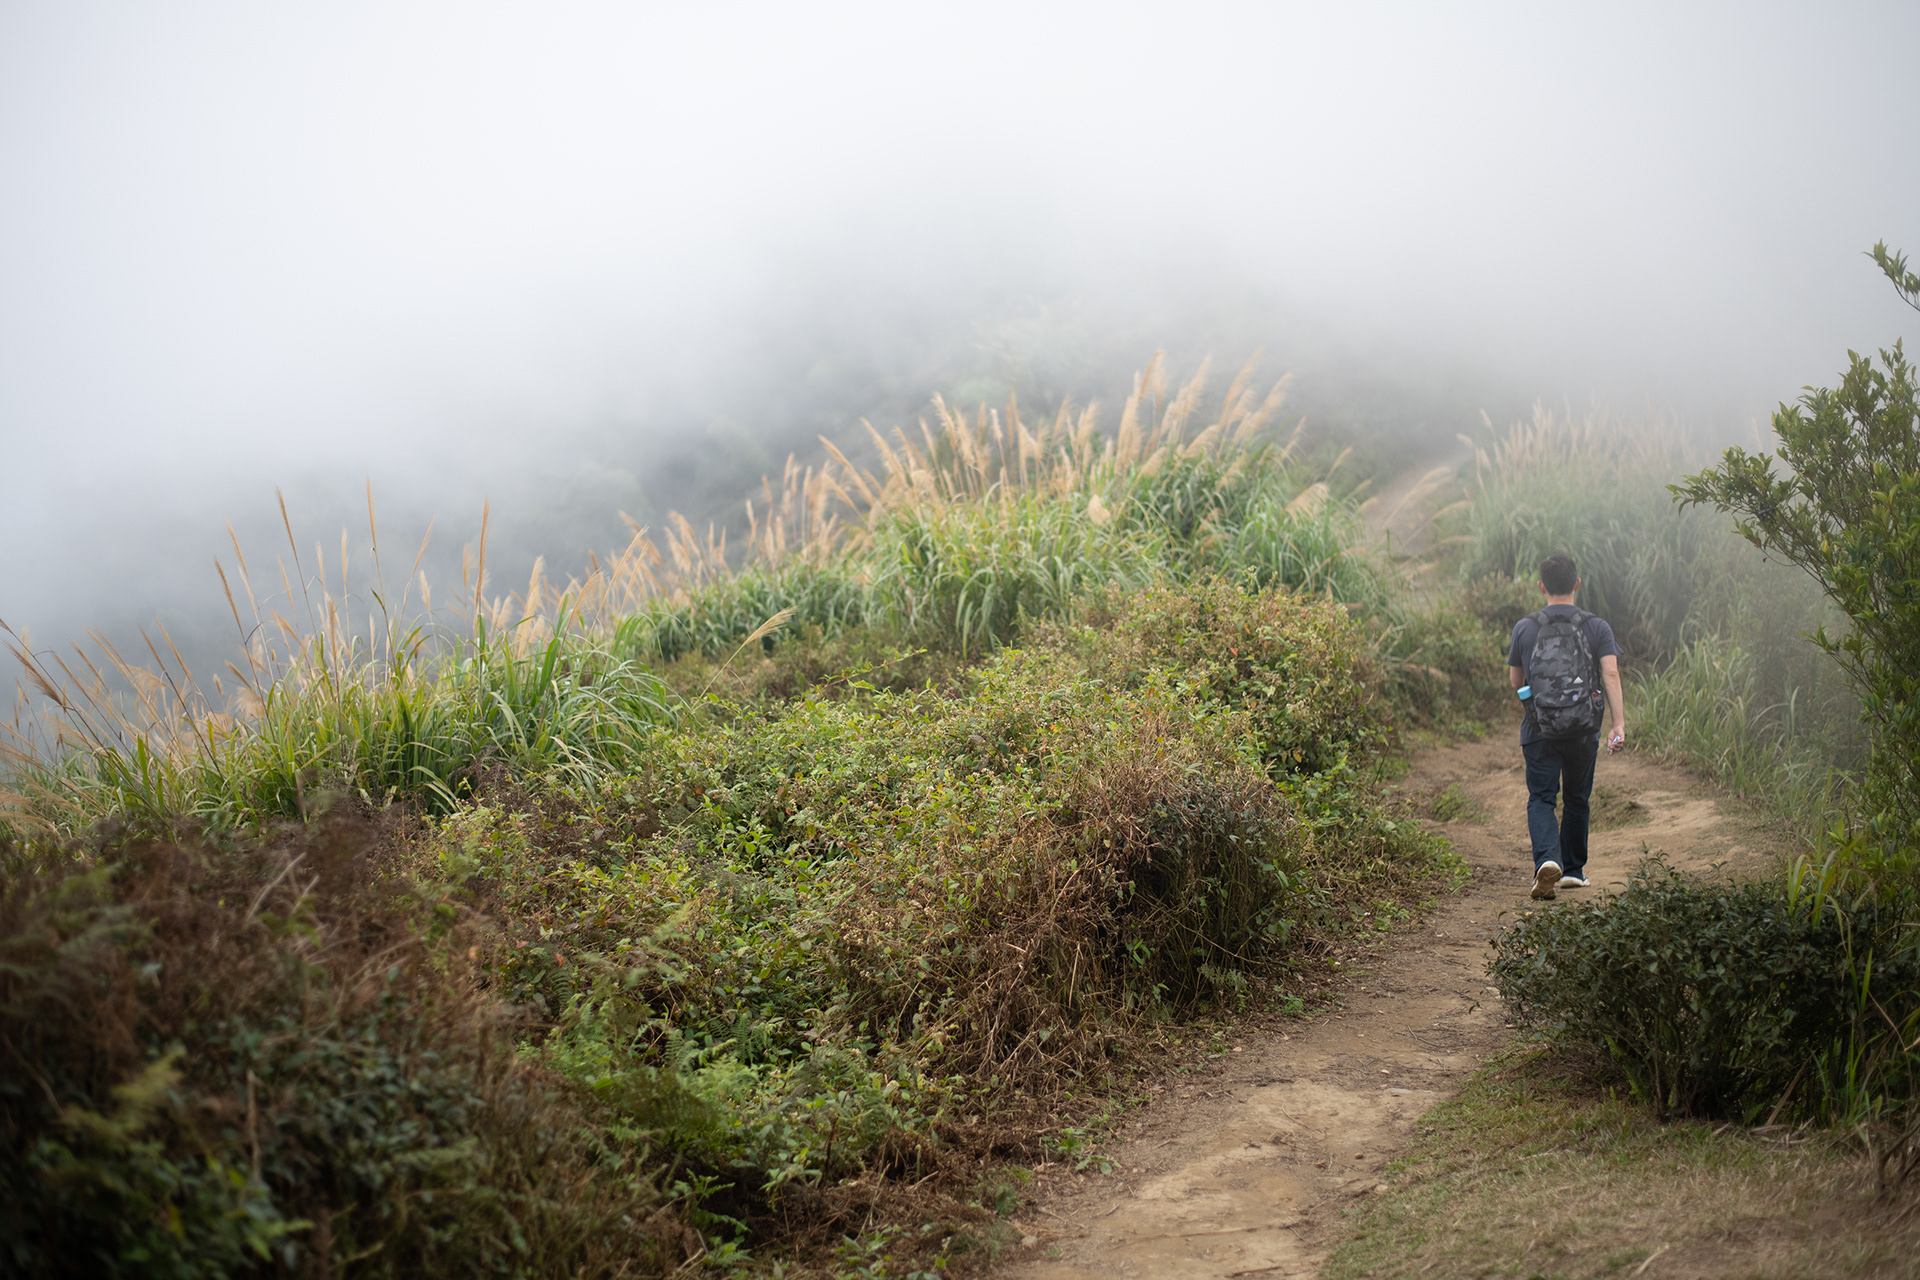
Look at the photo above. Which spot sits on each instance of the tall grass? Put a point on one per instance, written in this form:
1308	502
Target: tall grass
407	710
1708	707
568	710
958	535
1595	488
955	538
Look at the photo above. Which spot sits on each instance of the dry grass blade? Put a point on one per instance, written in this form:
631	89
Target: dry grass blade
48	689
480	572
760	633
1310	499
1253	422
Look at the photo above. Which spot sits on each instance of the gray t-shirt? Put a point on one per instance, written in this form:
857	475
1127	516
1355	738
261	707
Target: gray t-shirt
1599	642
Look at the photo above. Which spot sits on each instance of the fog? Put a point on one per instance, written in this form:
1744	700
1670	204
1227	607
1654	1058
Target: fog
580	259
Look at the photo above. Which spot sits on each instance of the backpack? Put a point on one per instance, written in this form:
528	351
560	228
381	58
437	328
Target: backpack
1567	701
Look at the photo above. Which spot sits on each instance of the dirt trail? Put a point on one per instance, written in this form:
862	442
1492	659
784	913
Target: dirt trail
1244	1171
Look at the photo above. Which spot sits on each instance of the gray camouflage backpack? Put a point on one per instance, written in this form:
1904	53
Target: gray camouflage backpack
1567	701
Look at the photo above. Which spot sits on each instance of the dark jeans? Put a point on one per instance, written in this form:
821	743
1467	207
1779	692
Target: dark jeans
1554	767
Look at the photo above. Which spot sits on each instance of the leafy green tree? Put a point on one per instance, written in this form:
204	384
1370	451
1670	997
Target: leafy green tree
1846	508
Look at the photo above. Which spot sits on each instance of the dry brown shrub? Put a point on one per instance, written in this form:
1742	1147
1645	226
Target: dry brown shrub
317	1035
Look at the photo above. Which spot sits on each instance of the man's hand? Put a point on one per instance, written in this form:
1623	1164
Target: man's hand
1616	702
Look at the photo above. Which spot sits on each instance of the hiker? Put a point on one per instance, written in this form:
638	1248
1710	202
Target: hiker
1561	660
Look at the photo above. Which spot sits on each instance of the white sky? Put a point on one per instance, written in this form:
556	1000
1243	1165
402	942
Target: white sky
244	243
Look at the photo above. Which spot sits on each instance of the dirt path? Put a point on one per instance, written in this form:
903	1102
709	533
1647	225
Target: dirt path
1244	1171
1401	513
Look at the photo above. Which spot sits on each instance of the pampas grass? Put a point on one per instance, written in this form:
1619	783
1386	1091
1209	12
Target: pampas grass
959	531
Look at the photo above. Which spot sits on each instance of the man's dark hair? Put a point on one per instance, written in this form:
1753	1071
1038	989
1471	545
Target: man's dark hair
1558	575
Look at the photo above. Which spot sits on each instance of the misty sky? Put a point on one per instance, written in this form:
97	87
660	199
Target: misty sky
532	251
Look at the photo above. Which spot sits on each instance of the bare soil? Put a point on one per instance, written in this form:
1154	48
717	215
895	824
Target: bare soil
1244	1171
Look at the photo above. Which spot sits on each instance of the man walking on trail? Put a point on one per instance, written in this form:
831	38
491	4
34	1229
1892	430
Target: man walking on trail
1561	660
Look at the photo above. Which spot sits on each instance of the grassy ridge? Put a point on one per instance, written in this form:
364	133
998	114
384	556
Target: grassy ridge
776	904
966	537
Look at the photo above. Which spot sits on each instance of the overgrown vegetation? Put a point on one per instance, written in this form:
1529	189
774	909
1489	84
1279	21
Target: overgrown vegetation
772	906
229	1059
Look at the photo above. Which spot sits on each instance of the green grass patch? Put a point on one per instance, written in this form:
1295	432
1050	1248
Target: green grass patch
1545	1167
1452	803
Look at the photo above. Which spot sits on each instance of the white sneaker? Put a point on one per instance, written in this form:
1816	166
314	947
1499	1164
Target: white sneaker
1545	880
1573	882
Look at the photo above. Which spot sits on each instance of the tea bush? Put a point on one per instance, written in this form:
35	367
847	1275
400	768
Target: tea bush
1720	1000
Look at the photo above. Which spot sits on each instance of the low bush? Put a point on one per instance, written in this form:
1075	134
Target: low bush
237	1059
1444	665
1728	1000
807	661
1297	667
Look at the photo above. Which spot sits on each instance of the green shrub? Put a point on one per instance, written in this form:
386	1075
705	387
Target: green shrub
806	661
1720	999
1296	666
238	1059
851	917
879	870
1444	664
802	939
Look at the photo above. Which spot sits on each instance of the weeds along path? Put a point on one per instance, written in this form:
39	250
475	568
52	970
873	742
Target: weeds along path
1243	1168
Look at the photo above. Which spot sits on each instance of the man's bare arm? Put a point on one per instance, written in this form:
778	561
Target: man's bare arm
1616	701
1517	676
